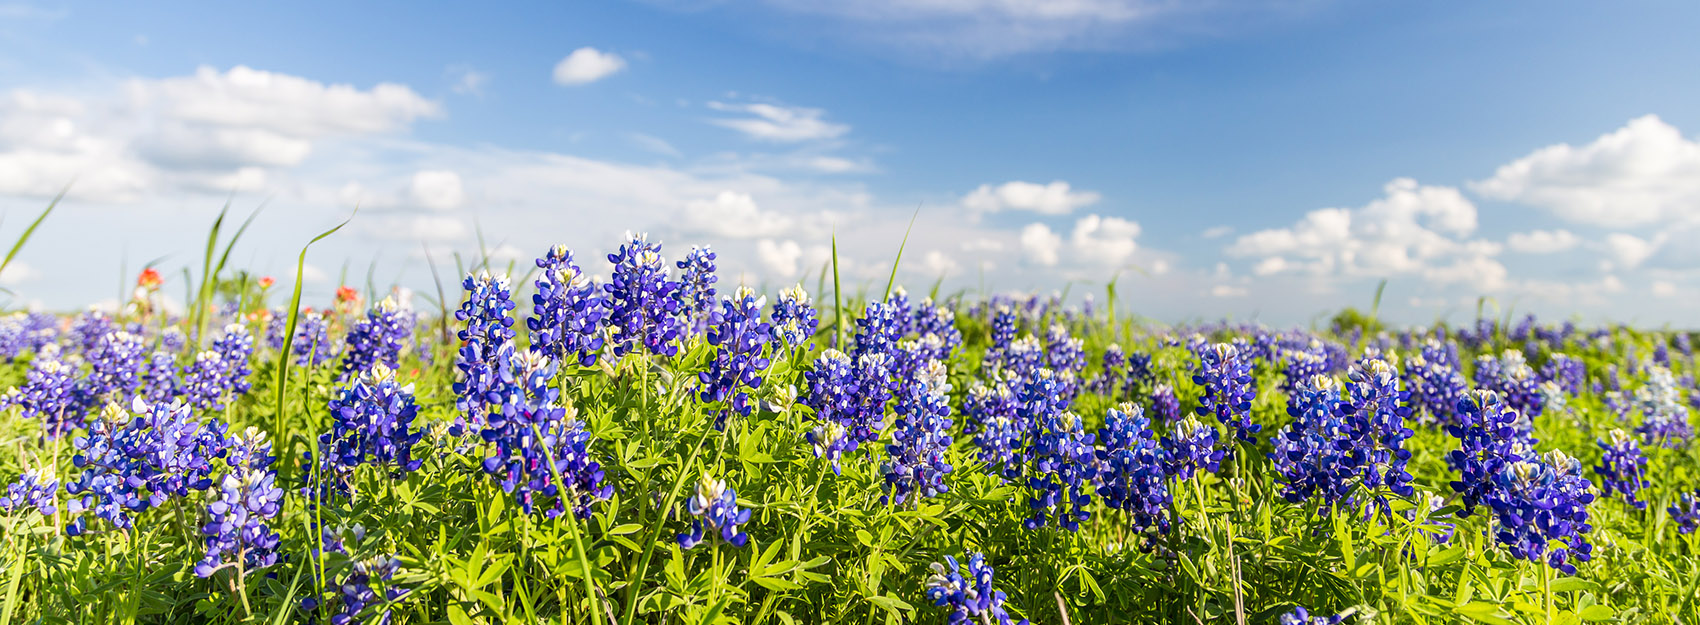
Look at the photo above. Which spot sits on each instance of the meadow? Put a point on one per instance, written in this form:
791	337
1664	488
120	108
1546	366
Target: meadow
622	438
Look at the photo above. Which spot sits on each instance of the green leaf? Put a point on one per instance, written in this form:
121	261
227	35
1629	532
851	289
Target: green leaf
1484	612
891	604
1568	584
1596	613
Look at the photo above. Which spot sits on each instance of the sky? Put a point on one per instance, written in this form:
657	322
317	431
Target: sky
1255	160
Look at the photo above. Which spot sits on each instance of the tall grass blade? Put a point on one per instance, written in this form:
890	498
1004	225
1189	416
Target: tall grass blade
25	237
893	279
198	301
284	358
837	295
442	299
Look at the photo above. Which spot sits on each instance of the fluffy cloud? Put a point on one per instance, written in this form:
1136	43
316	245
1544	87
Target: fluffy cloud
1055	198
734	215
18	273
1104	240
1643	173
1629	251
1542	241
1040	245
780	124
587	65
1664	288
779	257
938	263
1413	229
437	190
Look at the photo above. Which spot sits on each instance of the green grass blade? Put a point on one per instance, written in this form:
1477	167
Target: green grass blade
893	279
284	360
442	299
25	237
837	294
199	299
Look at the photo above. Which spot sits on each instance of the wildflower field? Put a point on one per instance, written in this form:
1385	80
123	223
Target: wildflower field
622	438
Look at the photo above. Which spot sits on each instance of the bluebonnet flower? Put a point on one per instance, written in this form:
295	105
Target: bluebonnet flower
49	393
1377	418
1489	440
1133	473
235	346
1686	512
1569	373
247	500
1664	418
88	329
173	340
1435	385
1165	405
1228	389
643	305
1622	470
972	600
372	423
312	343
1191	447
1066	356
832	395
920	437
1514	380
739	336
380	337
1301	616
22	333
1060	456
35	488
992	412
1108	380
160	453
488	331
541	449
1003	335
696	288
1313	454
1541	500
115	363
358	592
715	505
903	314
937	322
566	313
204	381
794	321
159	378
1300	368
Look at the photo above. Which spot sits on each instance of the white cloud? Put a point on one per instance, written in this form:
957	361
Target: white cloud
416	227
938	263
1104	240
1055	198
777	123
437	190
286	105
1542	241
1040	245
654	144
1643	173
18	273
1218	232
1664	288
734	215
1229	290
1413	229
779	257
587	65
982	244
466	80
1629	251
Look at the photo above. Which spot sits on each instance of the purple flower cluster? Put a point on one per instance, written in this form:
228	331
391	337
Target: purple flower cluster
1489	440
248	499
1165	405
1191	448
832	396
1301	616
1686	512
566	311
541	451
380	337
1516	382
115	364
1664	416
1229	389
312	344
372	423
739	336
643	304
1061	460
133	463
715	505
920	437
35	488
1623	469
972	600
1435	385
1132	471
1569	373
1541	500
49	393
23	333
993	415
488	331
696	288
360	589
794	321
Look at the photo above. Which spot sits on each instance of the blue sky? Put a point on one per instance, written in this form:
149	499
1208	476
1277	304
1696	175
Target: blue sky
1267	160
